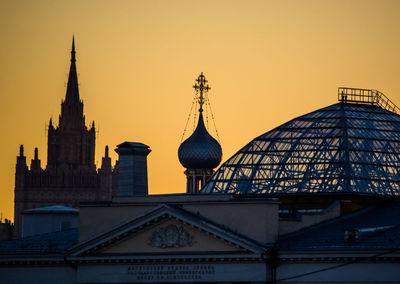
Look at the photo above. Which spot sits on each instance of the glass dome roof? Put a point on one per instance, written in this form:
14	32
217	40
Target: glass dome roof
344	148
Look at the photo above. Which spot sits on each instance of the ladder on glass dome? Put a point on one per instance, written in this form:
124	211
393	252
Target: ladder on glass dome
366	96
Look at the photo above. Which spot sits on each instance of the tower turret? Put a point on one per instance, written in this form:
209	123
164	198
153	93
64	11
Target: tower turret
35	163
106	162
21	166
200	153
51	123
21	170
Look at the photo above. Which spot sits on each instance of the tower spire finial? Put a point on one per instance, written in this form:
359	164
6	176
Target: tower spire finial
202	87
73	49
72	95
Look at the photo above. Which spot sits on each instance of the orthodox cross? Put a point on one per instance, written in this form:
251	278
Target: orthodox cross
202	86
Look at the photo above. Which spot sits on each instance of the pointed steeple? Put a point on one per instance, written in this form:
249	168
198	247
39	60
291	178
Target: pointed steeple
106	152
71	127
73	49
72	95
106	163
21	161
21	150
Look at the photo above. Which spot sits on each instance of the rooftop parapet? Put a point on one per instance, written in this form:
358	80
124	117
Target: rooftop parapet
366	96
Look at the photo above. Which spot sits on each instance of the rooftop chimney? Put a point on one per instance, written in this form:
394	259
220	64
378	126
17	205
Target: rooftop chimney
132	172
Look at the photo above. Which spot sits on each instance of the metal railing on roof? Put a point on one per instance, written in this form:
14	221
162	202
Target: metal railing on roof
366	96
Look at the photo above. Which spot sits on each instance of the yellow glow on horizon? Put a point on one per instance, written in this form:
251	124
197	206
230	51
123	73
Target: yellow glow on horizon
266	62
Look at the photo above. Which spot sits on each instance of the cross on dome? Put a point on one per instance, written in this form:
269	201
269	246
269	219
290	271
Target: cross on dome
202	86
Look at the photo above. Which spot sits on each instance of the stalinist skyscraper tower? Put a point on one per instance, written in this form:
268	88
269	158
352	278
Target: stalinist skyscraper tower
71	175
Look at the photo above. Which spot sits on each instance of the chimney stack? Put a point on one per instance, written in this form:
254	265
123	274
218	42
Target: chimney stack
132	172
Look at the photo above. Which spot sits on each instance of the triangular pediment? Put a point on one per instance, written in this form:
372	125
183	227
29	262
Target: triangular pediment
170	236
167	229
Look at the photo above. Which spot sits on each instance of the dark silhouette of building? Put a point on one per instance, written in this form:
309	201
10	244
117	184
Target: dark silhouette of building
71	175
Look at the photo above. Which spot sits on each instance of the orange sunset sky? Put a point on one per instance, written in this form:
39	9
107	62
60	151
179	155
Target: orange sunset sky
266	62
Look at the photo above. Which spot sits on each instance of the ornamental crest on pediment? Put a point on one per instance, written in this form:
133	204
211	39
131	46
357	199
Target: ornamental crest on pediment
171	236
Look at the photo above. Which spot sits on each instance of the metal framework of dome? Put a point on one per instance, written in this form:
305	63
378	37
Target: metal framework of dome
352	147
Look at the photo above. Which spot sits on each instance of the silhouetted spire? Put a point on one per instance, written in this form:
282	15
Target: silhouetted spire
51	123
21	161
35	162
106	163
72	95
73	49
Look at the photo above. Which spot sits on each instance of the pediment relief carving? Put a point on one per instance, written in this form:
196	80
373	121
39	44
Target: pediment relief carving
170	236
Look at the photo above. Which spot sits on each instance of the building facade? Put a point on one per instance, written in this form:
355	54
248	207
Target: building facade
195	238
70	175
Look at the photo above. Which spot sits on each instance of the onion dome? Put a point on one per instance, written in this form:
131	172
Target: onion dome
200	150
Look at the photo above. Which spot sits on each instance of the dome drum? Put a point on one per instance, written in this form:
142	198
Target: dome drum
199	171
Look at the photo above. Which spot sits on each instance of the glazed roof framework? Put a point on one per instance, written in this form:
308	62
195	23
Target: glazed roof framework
344	148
